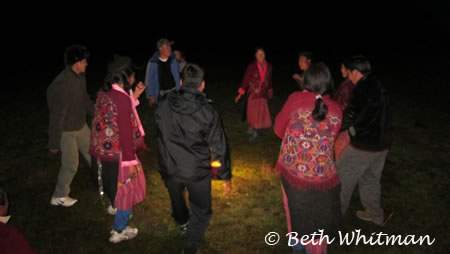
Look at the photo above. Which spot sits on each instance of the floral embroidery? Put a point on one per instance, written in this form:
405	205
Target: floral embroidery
307	150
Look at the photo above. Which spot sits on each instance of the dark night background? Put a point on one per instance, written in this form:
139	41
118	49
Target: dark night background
408	46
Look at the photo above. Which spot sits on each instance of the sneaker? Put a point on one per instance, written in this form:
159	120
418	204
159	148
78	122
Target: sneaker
66	201
184	228
363	215
111	210
126	234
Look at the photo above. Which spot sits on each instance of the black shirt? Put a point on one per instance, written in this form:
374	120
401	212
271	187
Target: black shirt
165	76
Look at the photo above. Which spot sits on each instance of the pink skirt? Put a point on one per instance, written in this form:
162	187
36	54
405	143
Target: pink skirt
258	115
130	191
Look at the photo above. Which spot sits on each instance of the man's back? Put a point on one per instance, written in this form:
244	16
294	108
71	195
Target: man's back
189	130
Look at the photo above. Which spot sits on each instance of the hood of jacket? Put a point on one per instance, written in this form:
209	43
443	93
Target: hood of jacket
187	101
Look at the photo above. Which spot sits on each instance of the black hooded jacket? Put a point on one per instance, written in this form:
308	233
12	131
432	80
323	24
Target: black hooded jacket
368	116
190	134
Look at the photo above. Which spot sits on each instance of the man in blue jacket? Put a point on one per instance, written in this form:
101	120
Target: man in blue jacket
163	72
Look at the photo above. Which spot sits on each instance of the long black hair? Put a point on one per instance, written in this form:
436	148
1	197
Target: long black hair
118	78
319	81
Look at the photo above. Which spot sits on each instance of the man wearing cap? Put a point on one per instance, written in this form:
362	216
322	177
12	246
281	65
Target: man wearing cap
163	72
69	104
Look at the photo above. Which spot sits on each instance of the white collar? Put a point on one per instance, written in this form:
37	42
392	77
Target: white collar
163	60
4	219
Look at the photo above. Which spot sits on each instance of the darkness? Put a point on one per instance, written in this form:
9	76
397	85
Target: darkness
220	36
400	41
407	45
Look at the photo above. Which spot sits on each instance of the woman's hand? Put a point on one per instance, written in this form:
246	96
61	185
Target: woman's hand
297	76
140	88
133	170
237	98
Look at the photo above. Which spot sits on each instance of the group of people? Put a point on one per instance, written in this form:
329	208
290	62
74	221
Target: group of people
191	137
331	141
329	144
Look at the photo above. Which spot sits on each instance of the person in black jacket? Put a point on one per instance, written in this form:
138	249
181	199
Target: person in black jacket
190	136
368	121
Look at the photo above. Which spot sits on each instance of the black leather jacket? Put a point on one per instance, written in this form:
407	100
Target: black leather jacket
190	133
368	116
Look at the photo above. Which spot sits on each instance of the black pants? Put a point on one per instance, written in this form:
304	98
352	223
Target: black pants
199	202
110	175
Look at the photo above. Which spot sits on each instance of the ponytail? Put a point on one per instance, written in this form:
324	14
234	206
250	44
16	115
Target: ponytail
320	110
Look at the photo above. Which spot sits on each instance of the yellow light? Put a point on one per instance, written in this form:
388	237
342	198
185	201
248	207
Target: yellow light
216	164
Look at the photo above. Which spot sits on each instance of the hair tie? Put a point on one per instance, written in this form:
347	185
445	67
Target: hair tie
318	96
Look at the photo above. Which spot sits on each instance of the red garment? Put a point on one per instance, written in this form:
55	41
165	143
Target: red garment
252	79
342	95
116	128
12	241
307	152
130	191
258	84
258	115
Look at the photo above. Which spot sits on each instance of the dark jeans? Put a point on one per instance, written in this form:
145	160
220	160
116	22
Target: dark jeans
199	202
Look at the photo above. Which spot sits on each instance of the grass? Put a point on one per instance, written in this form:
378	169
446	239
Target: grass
415	186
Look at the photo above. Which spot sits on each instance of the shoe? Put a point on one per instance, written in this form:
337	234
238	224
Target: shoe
363	215
65	201
184	228
126	234
111	210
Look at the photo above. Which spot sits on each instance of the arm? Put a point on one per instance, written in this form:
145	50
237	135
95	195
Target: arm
246	80
149	79
244	85
359	103
269	82
58	109
125	130
218	146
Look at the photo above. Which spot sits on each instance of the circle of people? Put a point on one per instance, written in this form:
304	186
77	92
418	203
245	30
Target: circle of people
329	144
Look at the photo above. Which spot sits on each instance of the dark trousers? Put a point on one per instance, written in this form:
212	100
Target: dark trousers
199	202
110	175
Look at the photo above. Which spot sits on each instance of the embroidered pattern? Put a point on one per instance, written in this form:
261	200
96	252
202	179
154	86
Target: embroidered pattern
307	149
105	132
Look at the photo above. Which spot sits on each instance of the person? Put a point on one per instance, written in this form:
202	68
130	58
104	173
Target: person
257	84
367	120
69	104
190	135
116	138
163	72
179	55
11	240
304	62
342	97
308	125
